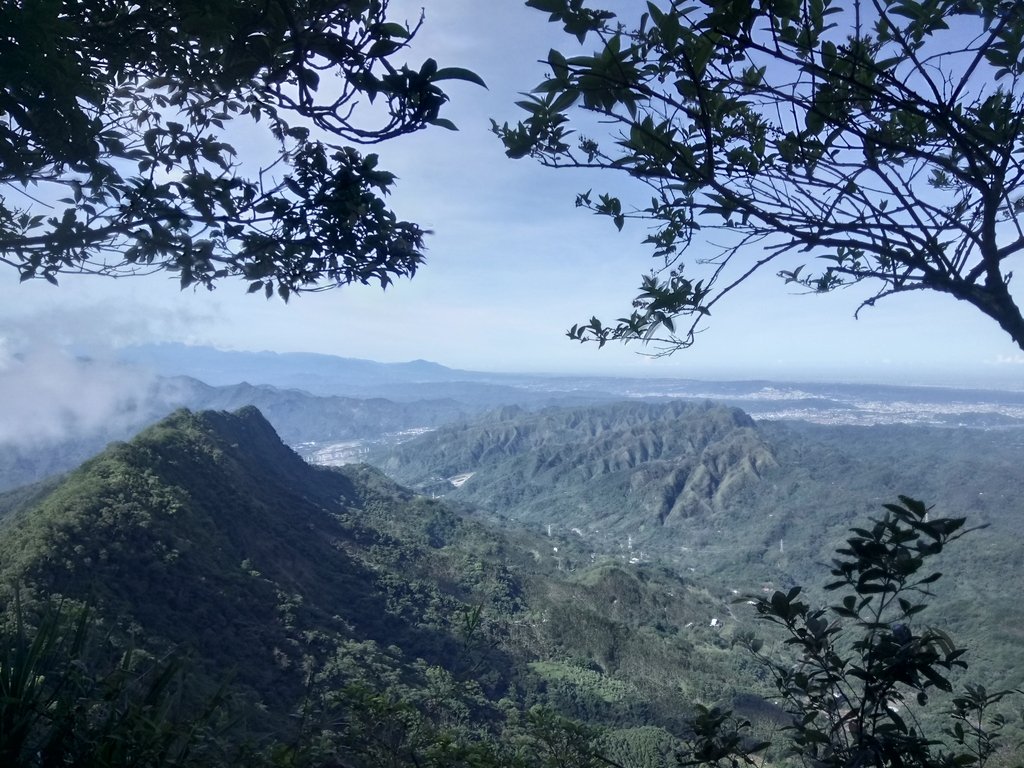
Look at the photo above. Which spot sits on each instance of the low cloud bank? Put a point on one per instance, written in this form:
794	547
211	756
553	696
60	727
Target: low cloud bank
48	395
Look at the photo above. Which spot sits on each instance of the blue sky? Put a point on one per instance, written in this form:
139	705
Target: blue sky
512	264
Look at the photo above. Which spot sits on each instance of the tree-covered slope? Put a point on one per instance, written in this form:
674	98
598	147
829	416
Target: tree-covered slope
617	468
707	484
313	588
207	531
741	505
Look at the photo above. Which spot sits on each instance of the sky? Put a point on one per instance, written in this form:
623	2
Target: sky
511	265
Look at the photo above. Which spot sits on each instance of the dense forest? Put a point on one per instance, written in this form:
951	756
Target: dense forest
224	602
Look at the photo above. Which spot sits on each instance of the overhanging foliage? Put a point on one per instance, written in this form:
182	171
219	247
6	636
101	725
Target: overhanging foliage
838	142
120	126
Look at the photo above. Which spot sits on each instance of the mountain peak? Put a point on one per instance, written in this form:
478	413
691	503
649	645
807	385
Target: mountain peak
223	432
210	534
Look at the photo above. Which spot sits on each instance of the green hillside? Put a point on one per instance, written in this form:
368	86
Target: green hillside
331	617
311	589
193	538
608	470
741	505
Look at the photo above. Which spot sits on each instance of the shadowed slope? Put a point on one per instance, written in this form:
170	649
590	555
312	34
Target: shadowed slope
206	532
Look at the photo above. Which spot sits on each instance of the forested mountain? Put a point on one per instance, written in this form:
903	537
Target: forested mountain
207	531
333	603
743	504
337	594
620	468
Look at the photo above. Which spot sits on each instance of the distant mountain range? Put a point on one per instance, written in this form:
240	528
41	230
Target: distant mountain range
314	373
833	403
335	409
303	420
299	416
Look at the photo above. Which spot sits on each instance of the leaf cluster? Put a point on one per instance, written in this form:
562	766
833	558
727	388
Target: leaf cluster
839	141
120	131
864	666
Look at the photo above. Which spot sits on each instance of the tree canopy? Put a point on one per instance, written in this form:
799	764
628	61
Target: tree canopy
119	124
834	141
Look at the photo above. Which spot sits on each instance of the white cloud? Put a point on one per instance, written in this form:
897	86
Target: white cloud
1007	360
48	395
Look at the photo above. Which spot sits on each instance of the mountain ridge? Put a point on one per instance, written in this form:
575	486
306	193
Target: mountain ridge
674	460
207	530
313	372
336	591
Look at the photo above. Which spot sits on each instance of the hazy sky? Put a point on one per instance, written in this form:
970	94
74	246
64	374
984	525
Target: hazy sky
512	265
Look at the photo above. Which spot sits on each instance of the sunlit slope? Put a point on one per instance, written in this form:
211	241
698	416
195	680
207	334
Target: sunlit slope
748	506
620	468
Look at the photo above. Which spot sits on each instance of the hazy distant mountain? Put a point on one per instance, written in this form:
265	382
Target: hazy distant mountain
298	416
151	381
328	375
315	373
823	402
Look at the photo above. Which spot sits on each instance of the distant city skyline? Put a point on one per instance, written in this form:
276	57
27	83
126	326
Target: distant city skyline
511	265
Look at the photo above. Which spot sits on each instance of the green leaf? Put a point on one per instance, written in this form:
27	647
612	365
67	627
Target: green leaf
815	121
391	29
564	100
548	6
458	73
295	187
